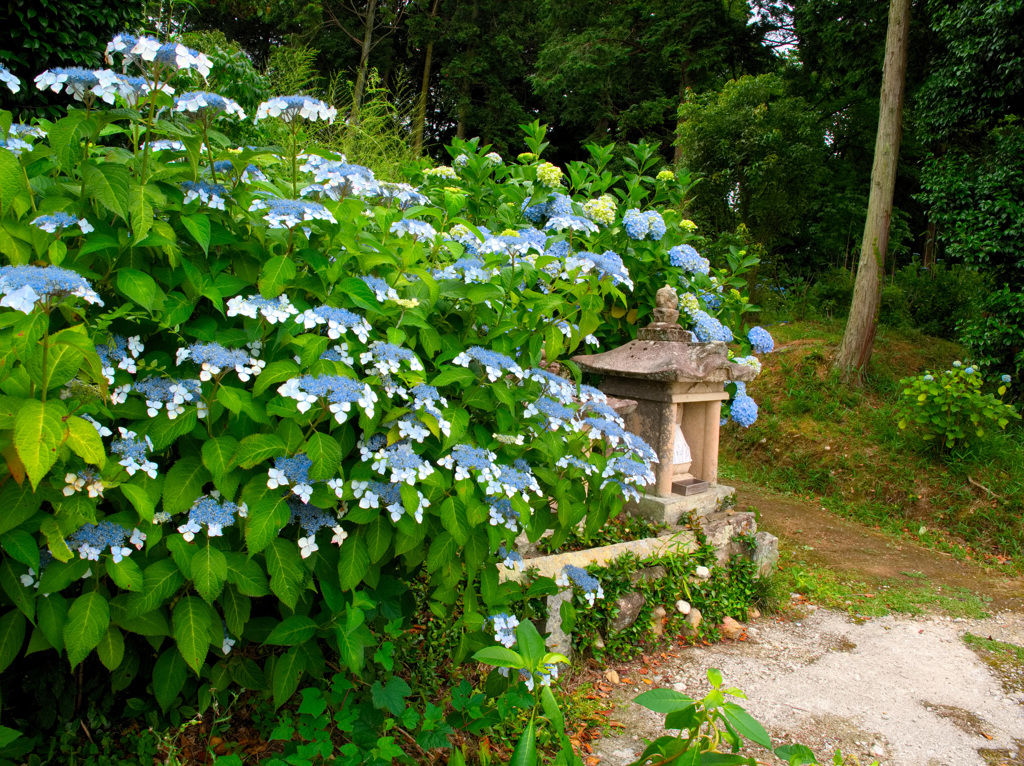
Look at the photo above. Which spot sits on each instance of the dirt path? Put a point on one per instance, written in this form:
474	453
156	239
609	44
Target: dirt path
903	691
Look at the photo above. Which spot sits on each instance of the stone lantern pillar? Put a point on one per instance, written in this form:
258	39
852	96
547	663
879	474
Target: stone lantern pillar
679	386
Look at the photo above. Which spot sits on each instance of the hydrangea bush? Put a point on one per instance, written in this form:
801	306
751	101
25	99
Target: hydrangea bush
249	393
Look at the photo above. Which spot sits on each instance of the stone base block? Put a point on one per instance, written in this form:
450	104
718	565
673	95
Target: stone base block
720	527
766	553
669	510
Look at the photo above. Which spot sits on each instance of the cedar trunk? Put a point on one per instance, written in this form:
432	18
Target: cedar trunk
859	338
364	62
421	104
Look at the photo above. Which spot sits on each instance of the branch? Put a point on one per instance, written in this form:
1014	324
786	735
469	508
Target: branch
982	486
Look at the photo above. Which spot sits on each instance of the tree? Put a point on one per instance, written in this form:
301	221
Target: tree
859	338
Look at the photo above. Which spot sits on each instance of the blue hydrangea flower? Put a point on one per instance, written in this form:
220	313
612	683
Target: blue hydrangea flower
414	228
388	359
689	260
571	460
289	108
505	625
556	415
511	559
502	514
171	395
15	145
571	222
743	410
8	79
969	370
1006	378
120	351
24	286
214	358
57	222
152	51
92	539
495	365
81	84
553	385
511	481
340	179
468	270
205	104
338	321
382	291
208	193
580	578
211	512
609	264
656	225
608	430
404	464
636	224
340	393
466	459
760	340
404	194
311	519
274	310
134	453
708	328
286	213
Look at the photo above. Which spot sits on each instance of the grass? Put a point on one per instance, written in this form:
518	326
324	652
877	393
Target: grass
817	436
917	596
1011	651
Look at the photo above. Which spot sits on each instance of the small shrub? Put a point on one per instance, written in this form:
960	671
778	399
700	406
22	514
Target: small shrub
951	408
995	339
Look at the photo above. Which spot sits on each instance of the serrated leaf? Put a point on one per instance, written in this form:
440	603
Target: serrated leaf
191	619
88	619
325	453
663	700
139	288
293	631
85	441
500	657
286	571
169	675
378	538
12	637
247	575
254	449
12	181
287	673
218	454
51	614
184	484
353	562
442	550
161	580
390	696
163	431
265	519
209	571
140	499
126	573
276	273
108	184
111	648
141	211
237	609
38	432
21	546
198	225
247	674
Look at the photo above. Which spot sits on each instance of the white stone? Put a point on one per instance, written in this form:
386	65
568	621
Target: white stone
682	607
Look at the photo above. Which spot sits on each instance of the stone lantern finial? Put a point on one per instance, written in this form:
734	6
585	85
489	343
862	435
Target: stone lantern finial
665	326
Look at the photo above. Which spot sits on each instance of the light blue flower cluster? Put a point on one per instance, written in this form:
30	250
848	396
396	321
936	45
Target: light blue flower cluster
15	145
743	410
556	416
81	84
505	625
290	107
414	228
466	459
553	385
134	453
557	205
13	83
511	559
171	395
502	514
274	310
339	391
571	222
214	358
749	361
214	195
689	260
495	365
609	264
338	321
628	475
293	472
211	512
513	245
404	464
571	460
57	222
92	539
761	340
468	270
512	481
382	291
286	213
206	105
120	351
152	51
582	579
340	178
708	328
87	480
388	359
22	287
338	353
427	397
609	430
1005	379
402	194
640	225
312	519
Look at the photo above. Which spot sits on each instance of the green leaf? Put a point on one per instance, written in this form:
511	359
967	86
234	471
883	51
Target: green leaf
254	449
378	538
551	709
38	432
88	619
293	631
796	755
531	645
141	211
184	484
140	499
453	517
265	519
663	700
287	672
238	400
12	637
246	575
198	226
140	288
126	573
442	550
108	184
218	454
237	610
51	614
169	675
390	696
276	273
85	441
163	431
161	581
21	546
525	753
353	562
19	503
500	657
12	181
111	648
247	674
191	620
7	736
746	725
286	571
209	571
326	456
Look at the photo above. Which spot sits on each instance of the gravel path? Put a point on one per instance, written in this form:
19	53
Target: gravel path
903	691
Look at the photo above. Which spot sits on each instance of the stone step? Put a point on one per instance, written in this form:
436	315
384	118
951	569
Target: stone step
674	509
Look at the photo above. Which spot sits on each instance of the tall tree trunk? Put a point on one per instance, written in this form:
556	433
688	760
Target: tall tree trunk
684	82
929	246
421	104
364	61
859	338
464	87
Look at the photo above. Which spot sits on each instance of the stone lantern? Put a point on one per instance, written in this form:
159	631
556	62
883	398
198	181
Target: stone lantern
679	386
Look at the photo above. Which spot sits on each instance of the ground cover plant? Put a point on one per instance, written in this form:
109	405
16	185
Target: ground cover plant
251	395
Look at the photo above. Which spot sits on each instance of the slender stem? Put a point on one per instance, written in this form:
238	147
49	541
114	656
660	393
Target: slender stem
149	122
209	149
295	159
46	353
